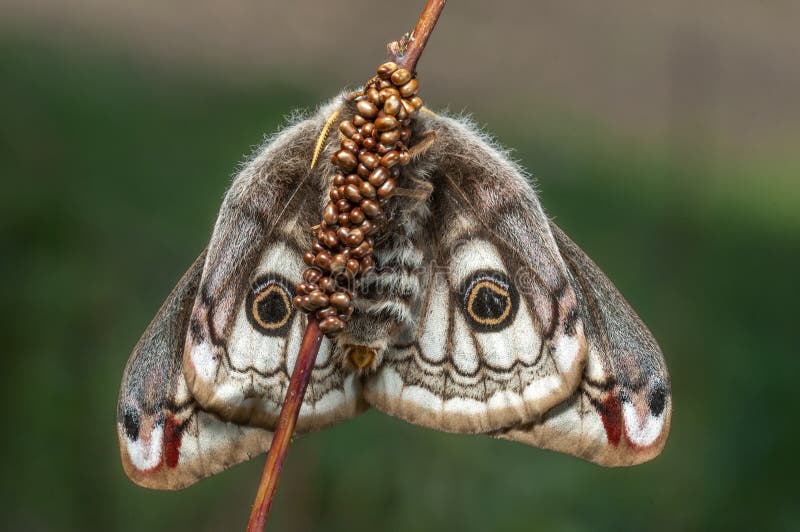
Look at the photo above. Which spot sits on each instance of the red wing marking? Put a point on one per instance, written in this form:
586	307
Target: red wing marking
173	435
612	419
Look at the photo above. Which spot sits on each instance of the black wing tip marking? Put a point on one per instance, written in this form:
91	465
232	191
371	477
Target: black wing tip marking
658	397
131	423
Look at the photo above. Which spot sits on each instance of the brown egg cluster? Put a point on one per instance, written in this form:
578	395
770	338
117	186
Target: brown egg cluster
372	151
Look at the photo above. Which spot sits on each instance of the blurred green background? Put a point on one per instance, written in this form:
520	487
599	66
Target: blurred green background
664	139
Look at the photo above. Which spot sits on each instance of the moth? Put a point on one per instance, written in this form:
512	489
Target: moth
482	317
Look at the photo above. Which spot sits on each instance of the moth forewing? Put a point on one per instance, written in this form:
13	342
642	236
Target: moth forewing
494	346
245	333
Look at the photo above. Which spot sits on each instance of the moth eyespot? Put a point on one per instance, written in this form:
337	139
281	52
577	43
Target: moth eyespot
489	300
269	305
131	423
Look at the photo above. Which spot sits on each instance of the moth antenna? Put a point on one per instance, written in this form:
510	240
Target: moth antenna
323	135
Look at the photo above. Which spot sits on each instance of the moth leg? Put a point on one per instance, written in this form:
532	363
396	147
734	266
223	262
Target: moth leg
351	96
423	145
419	192
413	197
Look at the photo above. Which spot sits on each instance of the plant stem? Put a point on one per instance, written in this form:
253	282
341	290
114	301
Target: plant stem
286	423
406	55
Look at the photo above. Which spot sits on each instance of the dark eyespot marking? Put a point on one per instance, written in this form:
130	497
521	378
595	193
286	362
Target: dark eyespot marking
131	423
657	400
489	300
269	305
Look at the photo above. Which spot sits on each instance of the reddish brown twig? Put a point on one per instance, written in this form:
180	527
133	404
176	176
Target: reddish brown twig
405	53
407	50
286	423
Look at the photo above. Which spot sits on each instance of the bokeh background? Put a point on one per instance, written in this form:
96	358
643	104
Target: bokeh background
663	137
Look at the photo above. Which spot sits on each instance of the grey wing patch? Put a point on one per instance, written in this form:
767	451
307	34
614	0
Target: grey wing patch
166	441
499	339
621	413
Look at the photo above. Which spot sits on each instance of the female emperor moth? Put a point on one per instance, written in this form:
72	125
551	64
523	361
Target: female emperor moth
481	317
